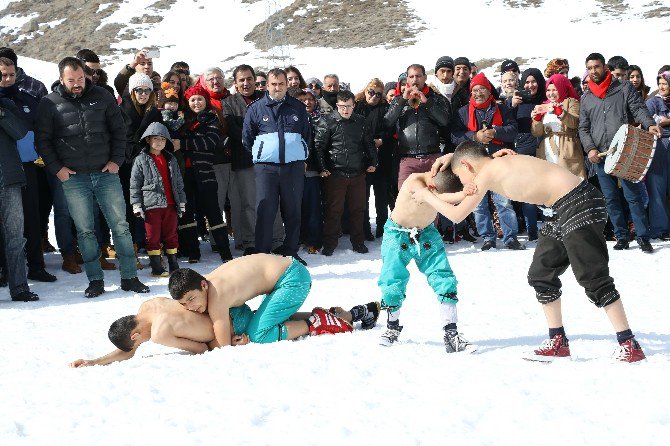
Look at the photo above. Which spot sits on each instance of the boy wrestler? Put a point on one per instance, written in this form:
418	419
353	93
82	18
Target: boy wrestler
573	236
284	281
410	234
162	321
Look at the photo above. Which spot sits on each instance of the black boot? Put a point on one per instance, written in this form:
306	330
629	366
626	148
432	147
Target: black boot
220	235
156	267
173	264
189	245
134	285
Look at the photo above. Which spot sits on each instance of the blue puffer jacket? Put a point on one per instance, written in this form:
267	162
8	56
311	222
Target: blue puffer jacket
277	131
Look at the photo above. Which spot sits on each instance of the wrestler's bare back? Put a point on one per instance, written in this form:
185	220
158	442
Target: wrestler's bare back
242	279
167	315
408	212
526	179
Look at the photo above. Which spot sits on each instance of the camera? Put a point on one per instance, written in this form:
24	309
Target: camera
525	95
153	54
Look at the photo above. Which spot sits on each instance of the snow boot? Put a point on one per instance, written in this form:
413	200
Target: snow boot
157	269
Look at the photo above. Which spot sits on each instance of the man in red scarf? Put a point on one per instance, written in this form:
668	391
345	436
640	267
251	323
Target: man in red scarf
485	121
604	108
417	115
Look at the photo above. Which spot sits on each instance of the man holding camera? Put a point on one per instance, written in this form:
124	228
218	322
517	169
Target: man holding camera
417	115
492	124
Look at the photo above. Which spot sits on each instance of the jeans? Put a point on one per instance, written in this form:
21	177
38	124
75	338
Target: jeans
506	215
658	186
530	216
11	218
84	193
609	185
62	219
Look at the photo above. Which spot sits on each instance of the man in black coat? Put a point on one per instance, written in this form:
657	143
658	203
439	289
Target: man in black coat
81	135
12	179
418	116
344	151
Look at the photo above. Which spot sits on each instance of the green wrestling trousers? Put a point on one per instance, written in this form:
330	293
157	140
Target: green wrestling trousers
267	323
399	246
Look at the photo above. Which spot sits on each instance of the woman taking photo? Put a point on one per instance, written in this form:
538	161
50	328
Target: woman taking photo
522	103
556	122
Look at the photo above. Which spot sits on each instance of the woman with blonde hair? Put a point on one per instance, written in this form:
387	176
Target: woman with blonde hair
556	121
371	103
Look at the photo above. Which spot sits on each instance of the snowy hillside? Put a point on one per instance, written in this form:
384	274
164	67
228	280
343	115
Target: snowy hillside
212	32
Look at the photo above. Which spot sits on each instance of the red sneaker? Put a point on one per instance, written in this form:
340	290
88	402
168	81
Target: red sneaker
322	321
556	347
629	351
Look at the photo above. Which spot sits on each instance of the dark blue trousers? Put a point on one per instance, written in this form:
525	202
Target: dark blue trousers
279	186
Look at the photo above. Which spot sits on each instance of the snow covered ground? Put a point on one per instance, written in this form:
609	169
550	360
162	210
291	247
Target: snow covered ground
347	388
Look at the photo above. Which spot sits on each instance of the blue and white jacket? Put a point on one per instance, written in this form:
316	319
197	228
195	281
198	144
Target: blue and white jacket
277	131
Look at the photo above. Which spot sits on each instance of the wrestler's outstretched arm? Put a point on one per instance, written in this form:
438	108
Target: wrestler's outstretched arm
116	355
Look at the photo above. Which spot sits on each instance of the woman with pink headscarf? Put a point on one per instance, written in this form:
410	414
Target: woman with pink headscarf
556	122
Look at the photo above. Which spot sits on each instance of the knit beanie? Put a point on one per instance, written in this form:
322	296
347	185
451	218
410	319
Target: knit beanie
198	90
444	62
482	80
140	80
314	81
462	61
509	65
388	87
9	54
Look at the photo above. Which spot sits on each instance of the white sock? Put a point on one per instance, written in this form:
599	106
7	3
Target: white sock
448	313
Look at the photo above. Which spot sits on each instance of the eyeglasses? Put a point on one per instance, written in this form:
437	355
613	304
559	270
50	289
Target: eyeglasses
344	106
261	83
373	93
142	90
314	86
214	79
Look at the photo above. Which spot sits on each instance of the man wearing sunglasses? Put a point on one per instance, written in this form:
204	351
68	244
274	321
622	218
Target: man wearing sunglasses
93	70
81	135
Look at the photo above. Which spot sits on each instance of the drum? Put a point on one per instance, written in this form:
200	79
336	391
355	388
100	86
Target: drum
630	153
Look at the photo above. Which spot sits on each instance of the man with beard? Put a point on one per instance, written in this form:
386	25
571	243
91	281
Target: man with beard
418	115
604	108
81	135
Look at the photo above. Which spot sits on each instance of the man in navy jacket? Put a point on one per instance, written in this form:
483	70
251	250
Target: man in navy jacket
276	130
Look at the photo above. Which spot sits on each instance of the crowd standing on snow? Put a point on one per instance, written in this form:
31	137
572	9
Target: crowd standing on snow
162	163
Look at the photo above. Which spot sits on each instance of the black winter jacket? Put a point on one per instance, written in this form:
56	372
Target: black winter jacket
135	127
198	144
81	133
344	146
418	130
12	129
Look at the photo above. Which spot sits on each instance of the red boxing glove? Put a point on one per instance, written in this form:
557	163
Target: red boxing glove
558	110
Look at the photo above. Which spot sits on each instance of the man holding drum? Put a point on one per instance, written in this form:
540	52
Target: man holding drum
604	109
